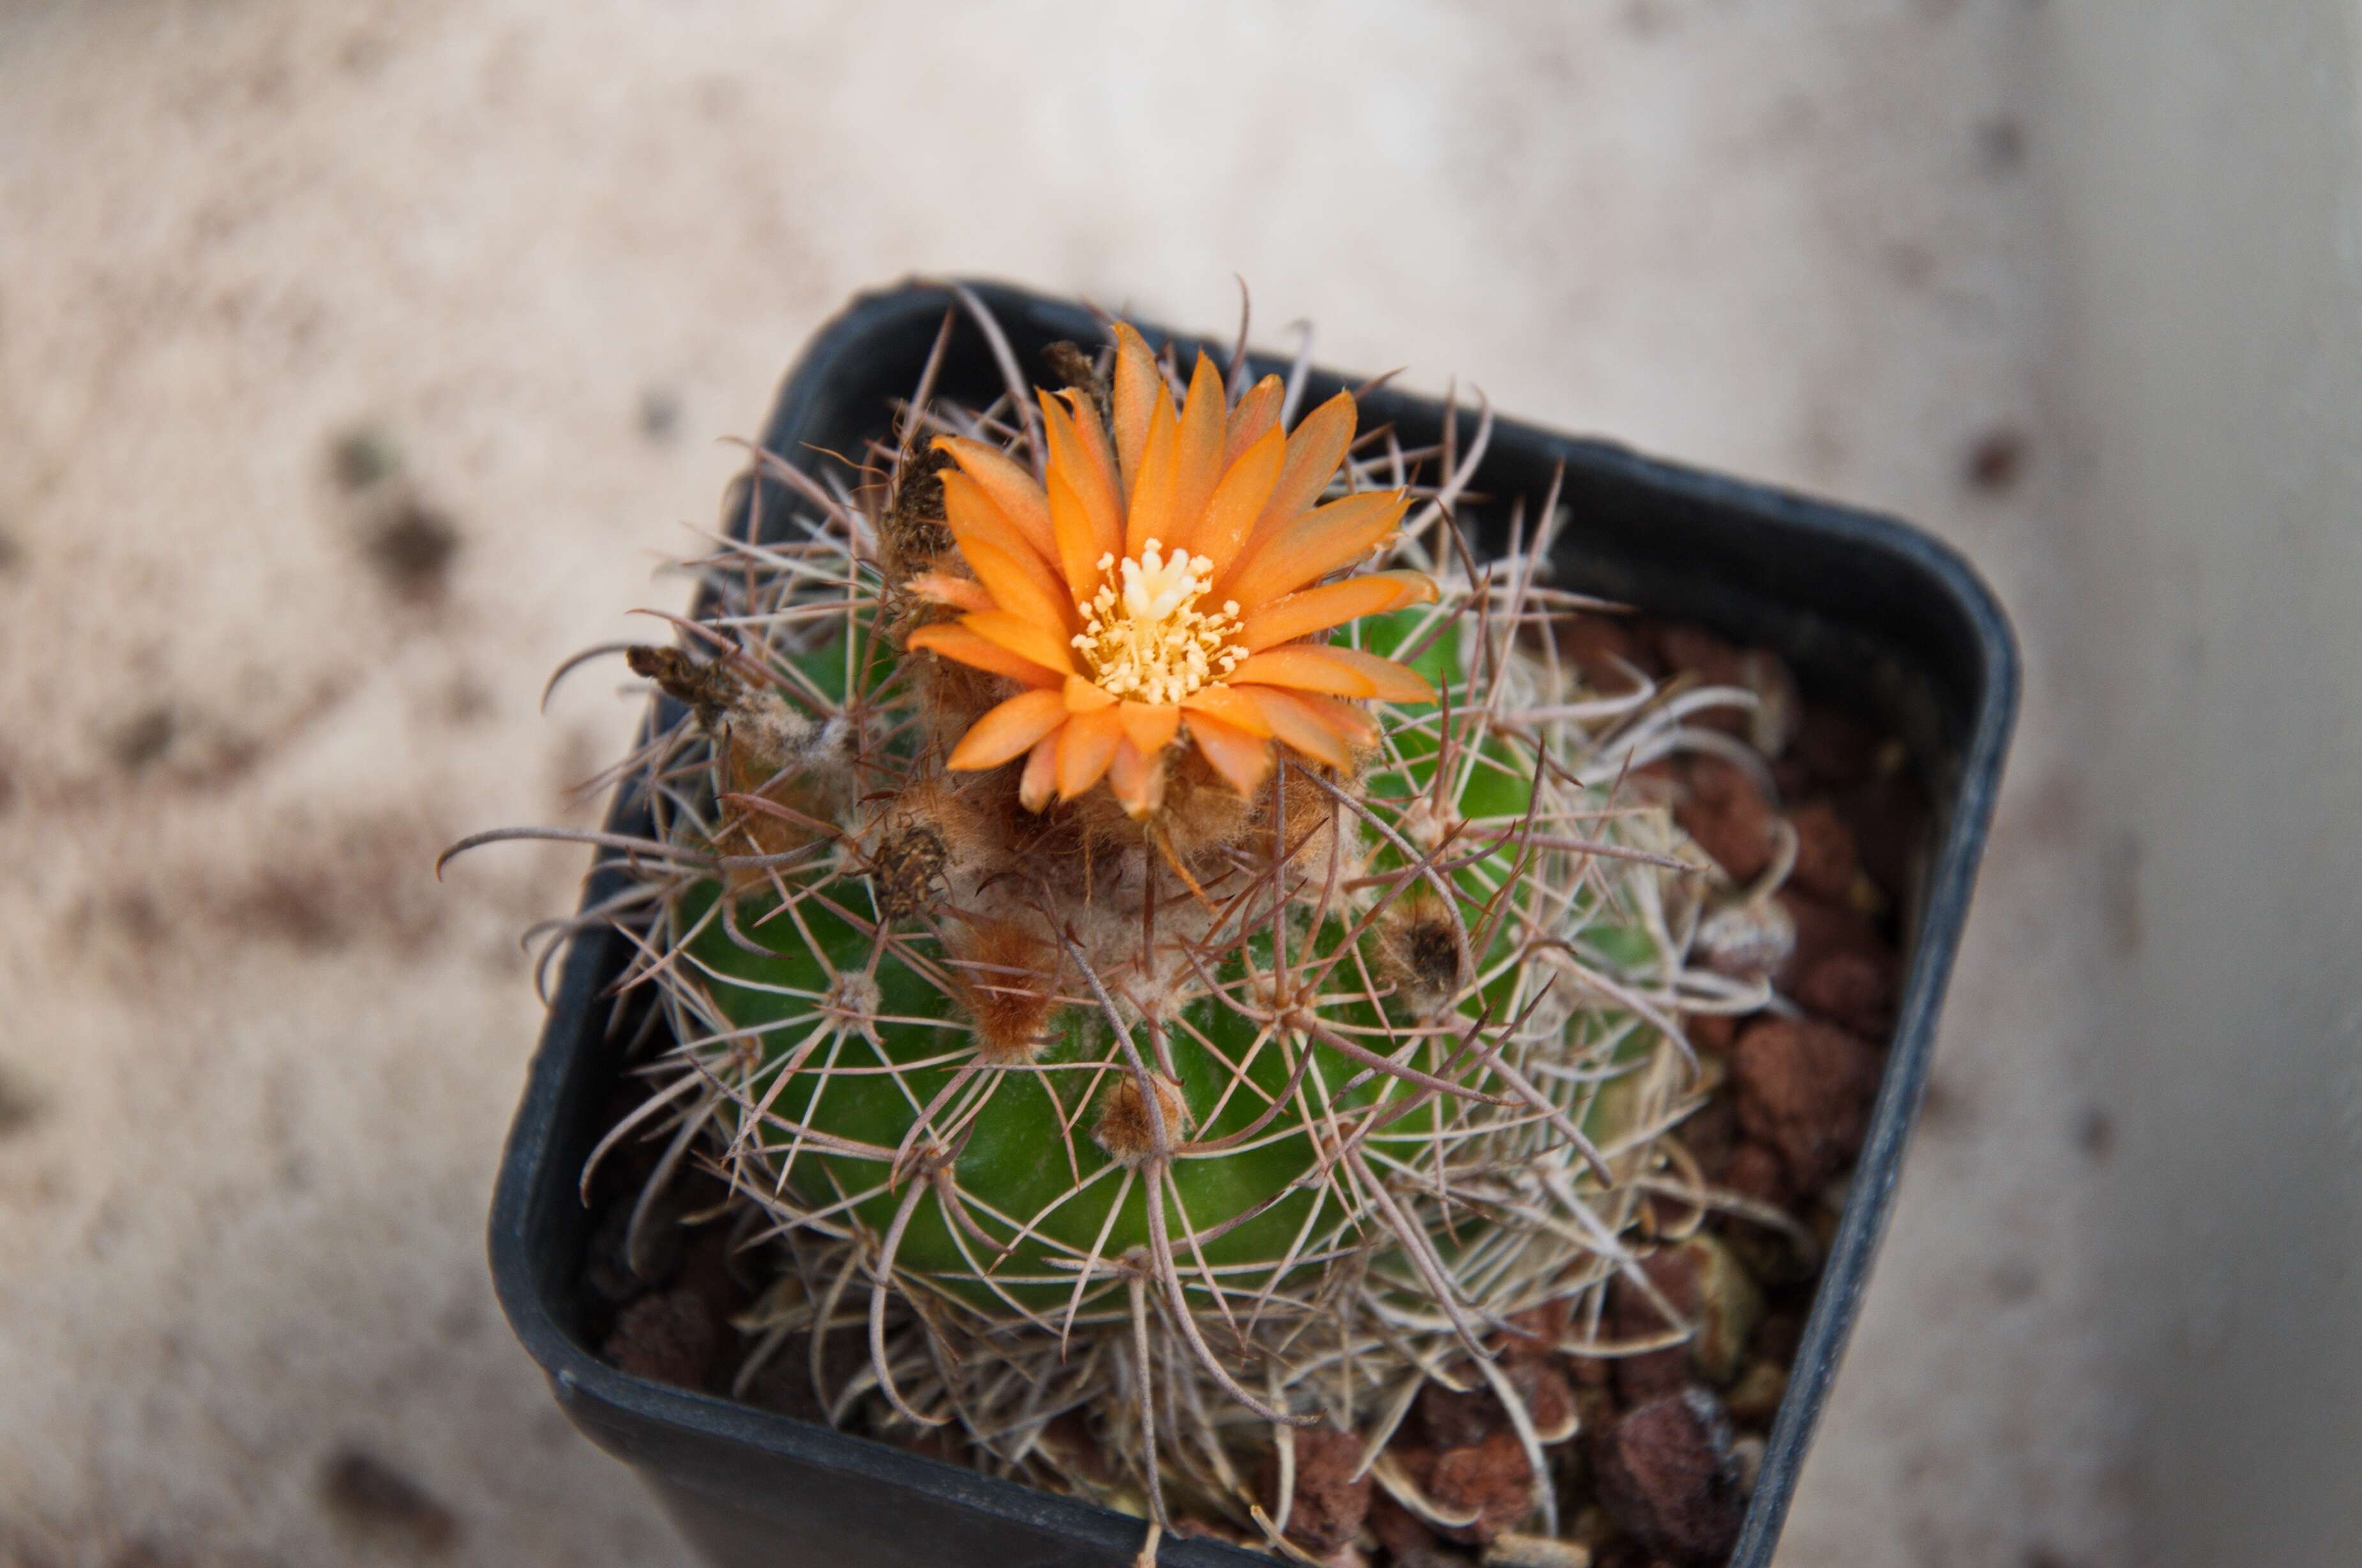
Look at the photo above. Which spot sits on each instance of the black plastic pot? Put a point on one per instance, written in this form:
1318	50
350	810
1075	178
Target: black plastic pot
1869	612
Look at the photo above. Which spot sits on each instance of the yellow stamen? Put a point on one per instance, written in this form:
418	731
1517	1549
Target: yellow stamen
1149	642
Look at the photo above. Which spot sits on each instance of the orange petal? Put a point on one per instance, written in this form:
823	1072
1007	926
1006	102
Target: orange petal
1239	500
1198	454
1137	778
1312	730
1352	724
1153	489
1222	703
971	512
1078	452
1081	544
1040	774
1005	484
1314	449
1008	730
1137	383
1313	546
1239	756
1040	643
1084	697
1019	583
942	588
1149	724
1085	747
1333	604
1340	672
1257	412
957	642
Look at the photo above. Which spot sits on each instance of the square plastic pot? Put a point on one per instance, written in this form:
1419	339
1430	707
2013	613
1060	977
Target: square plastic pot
1869	612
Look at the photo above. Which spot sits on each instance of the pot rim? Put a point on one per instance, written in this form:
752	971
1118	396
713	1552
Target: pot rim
643	1422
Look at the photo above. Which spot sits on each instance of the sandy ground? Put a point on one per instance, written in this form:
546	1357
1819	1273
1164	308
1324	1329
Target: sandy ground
255	1064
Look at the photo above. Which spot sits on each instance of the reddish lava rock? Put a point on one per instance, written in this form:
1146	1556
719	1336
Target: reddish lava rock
668	1338
1711	1135
1455	1421
1826	865
1407	1542
1491	1478
1598	646
1657	1373
1710	1031
1715	663
1804	1090
1851	988
1542	1388
1834	747
1756	1172
1824	929
1728	817
1666	1473
1330	1505
1537	1332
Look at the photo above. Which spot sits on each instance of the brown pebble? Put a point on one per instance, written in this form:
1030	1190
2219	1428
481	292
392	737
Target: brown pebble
1631	1315
1715	662
1834	748
1598	646
1711	1135
1709	1292
1455	1420
1492	1477
1888	815
1755	1172
1728	817
1665	1473
666	1338
1537	1332
1826	865
1821	928
1804	1090
1852	989
1330	1504
1407	1541
1710	1031
1542	1389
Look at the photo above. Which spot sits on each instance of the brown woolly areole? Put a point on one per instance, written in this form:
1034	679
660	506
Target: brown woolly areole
1125	1129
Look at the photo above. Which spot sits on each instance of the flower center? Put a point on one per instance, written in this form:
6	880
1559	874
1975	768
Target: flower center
1148	640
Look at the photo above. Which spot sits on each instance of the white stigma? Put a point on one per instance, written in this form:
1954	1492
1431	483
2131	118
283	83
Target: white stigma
1149	642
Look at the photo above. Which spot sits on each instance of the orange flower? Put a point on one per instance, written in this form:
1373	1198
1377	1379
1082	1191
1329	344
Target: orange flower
1164	577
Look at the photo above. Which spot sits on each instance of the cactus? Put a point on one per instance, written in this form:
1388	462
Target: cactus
1168	993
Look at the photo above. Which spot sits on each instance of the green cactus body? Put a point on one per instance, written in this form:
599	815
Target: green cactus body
1033	1185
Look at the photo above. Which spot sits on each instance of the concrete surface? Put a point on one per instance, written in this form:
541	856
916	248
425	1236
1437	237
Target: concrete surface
2216	316
255	1064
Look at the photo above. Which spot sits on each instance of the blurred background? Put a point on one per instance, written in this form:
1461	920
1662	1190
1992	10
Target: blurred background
359	362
